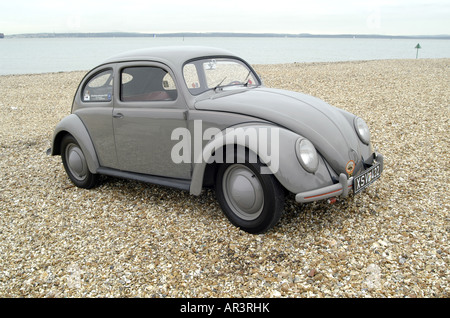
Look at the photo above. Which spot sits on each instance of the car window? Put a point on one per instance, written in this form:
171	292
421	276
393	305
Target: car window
223	72
146	83
191	76
99	87
205	74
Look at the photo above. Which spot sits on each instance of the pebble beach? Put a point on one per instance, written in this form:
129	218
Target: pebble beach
131	239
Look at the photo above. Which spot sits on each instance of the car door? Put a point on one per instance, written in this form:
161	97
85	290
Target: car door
146	111
94	105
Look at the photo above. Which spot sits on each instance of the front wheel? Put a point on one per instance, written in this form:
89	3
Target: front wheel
250	200
75	164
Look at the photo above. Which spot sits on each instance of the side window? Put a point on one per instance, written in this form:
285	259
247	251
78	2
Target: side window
146	83
99	87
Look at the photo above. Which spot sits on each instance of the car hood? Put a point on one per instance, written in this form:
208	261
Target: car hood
327	127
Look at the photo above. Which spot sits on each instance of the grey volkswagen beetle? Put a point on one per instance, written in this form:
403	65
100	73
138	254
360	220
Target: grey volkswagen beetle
196	117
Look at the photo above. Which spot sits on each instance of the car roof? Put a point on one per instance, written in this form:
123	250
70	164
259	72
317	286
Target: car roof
174	55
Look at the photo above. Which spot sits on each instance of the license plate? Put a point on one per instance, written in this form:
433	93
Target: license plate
366	178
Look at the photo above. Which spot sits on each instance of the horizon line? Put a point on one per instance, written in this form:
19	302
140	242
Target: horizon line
214	34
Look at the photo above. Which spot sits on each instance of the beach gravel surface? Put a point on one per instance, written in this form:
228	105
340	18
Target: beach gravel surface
131	239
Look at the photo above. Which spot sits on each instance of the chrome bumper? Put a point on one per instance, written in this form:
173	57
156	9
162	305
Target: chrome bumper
341	188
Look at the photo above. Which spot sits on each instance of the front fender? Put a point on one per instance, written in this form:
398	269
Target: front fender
275	148
73	125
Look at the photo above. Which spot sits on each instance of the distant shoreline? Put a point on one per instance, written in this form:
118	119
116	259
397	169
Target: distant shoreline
222	34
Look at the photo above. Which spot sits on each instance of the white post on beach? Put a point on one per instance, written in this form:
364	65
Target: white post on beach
417	47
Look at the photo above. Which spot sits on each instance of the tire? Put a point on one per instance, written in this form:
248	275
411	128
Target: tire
75	164
257	211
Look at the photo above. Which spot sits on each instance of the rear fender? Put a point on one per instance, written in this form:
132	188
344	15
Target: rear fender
73	125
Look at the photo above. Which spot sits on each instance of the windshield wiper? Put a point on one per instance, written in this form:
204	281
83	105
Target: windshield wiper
218	85
244	83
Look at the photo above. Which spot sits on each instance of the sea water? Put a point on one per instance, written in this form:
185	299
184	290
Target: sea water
43	55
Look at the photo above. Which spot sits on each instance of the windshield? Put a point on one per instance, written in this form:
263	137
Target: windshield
213	73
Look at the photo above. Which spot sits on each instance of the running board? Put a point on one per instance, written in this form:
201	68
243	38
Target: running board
182	184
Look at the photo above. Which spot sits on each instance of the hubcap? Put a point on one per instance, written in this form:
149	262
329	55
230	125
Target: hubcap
243	192
76	162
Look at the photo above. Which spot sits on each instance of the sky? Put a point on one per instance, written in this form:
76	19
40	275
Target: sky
395	17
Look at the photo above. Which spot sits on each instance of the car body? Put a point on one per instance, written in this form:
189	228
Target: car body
195	117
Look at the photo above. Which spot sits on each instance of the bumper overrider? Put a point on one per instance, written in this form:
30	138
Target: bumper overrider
345	185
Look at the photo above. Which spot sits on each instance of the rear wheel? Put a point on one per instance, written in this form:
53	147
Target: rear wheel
252	201
75	164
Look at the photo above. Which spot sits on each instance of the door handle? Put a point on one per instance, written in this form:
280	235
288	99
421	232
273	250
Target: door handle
118	115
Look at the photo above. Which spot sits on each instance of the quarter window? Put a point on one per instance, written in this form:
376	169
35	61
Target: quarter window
147	83
99	88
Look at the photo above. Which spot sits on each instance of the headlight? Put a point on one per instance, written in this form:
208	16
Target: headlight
362	130
307	155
